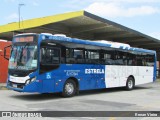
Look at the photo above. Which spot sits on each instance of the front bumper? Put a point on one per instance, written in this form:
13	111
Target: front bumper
21	87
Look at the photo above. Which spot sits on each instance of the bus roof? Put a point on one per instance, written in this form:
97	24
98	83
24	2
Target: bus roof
98	43
108	44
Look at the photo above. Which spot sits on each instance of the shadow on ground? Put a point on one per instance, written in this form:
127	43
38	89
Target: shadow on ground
54	96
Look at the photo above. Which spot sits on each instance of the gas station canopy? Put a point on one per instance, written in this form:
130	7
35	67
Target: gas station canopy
83	25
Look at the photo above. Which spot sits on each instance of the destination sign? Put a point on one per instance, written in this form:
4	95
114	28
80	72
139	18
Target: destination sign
24	39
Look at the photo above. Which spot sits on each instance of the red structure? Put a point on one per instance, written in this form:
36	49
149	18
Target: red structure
3	61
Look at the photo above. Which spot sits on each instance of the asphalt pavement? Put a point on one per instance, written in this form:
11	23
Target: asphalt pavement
142	98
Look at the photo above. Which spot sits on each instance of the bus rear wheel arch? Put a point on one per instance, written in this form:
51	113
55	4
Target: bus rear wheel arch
130	83
69	88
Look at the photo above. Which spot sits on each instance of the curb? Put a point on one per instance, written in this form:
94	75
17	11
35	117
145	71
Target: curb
3	87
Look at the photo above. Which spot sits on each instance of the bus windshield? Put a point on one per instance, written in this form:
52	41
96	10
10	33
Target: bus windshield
23	57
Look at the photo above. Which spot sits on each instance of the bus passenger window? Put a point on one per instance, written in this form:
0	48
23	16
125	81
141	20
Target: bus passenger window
69	56
150	60
78	55
139	60
50	56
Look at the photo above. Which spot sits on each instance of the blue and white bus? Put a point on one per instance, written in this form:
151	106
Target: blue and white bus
47	63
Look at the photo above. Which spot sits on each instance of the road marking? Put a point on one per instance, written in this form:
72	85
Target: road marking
90	118
112	118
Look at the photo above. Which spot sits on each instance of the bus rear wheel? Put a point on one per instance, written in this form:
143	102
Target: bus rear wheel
130	83
69	88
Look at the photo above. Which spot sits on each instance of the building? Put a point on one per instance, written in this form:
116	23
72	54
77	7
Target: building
3	61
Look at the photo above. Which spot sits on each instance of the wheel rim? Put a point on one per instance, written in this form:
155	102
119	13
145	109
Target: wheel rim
130	84
69	88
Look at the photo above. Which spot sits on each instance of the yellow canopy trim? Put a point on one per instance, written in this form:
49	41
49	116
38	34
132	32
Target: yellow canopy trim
39	21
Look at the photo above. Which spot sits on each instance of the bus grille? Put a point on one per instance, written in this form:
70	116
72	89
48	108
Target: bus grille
16	85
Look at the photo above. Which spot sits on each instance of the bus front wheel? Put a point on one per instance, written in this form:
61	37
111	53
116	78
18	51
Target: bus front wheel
130	83
69	88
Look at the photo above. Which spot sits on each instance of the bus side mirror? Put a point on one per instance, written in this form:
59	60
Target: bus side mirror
5	52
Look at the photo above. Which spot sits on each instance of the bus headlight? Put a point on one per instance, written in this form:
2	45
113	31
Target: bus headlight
33	79
30	80
27	82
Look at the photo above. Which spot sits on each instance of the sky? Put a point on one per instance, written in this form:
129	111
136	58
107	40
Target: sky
140	15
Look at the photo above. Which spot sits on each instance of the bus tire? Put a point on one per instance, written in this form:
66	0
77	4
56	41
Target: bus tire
69	88
130	83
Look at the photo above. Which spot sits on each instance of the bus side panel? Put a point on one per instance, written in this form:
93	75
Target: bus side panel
145	75
112	76
92	77
116	75
95	76
125	72
47	80
88	77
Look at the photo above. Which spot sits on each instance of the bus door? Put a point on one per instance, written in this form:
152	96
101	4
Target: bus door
49	64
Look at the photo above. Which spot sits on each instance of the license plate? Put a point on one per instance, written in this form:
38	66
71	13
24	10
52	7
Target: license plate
14	85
